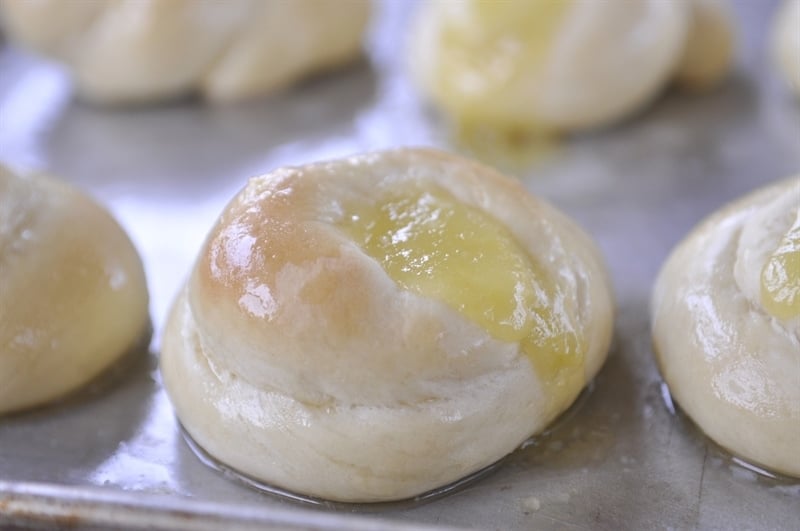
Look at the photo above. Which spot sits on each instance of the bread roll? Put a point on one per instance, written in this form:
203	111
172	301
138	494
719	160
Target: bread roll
726	326
73	296
123	51
709	50
786	43
543	64
372	328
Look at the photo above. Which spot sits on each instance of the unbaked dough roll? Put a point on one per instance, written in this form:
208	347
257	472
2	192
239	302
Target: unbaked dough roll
709	50
135	51
726	326
371	328
73	296
786	43
544	64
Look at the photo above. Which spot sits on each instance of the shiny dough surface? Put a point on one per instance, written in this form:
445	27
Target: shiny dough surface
127	51
73	296
726	326
303	355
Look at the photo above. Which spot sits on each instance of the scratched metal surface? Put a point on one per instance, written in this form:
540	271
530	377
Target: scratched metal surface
620	459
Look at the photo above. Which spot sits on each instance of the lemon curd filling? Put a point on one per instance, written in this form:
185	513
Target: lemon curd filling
487	46
431	244
780	276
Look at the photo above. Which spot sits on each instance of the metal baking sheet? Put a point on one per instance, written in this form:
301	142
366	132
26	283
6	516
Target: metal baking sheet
114	456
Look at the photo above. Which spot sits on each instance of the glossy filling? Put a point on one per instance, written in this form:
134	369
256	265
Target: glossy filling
780	277
433	245
488	45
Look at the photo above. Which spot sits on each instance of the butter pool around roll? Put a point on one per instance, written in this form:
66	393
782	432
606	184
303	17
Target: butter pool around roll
73	296
726	326
372	328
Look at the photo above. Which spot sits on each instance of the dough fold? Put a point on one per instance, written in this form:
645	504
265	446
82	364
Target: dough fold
567	65
129	51
293	357
730	355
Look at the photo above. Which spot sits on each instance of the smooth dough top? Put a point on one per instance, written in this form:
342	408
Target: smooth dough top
561	66
726	326
122	51
321	357
73	296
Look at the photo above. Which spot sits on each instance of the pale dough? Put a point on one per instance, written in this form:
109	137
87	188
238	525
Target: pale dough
139	51
73	297
733	367
561	66
786	43
292	356
709	50
595	63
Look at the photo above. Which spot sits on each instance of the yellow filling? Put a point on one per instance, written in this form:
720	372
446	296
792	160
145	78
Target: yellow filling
780	277
433	245
486	47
